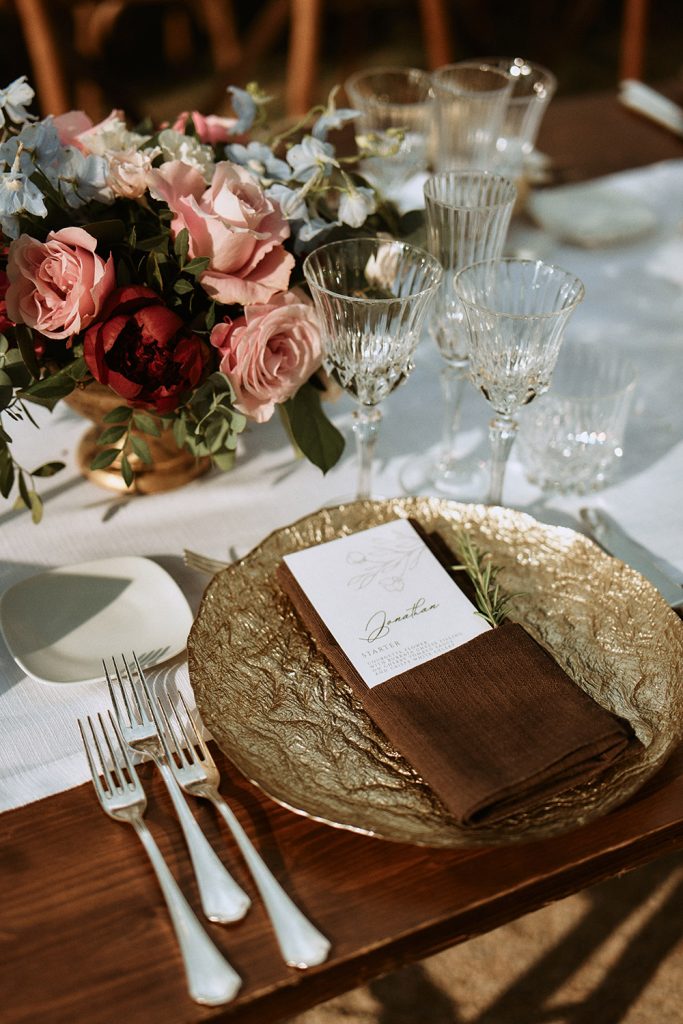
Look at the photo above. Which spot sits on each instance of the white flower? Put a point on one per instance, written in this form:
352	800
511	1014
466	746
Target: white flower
176	146
356	205
110	136
13	101
128	171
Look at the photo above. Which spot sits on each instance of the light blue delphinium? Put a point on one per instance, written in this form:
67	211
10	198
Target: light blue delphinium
291	201
80	178
13	102
18	194
332	118
356	205
309	157
36	146
246	108
259	159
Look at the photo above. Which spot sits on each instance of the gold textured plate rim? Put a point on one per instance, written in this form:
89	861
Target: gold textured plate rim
556	555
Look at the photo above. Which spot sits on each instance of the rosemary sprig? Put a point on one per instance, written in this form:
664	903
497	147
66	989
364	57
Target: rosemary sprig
493	603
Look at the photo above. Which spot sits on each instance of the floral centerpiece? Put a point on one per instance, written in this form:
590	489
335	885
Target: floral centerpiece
165	265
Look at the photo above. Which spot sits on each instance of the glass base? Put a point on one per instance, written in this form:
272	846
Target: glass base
463	479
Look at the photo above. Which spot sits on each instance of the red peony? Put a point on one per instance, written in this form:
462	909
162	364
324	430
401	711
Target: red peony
143	351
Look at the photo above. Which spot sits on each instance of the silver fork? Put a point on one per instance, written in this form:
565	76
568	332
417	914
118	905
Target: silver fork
221	897
202	563
210	978
301	944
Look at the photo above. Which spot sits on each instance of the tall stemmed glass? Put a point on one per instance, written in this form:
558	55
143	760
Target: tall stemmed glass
371	296
471	100
468	214
533	87
517	311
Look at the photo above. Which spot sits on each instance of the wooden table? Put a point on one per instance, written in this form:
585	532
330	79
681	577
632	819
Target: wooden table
83	932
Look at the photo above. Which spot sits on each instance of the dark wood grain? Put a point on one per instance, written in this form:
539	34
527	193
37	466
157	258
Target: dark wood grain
83	932
84	936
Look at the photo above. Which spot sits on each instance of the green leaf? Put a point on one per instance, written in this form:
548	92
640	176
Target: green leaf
36	507
224	460
4	344
183	286
23	490
121	414
318	439
181	246
141	448
127	471
6	389
179	432
216	434
107	230
112	434
6	473
104	458
155	242
48	469
146	423
154	277
211	316
24	336
196	266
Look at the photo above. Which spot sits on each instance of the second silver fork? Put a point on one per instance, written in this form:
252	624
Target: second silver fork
300	942
223	901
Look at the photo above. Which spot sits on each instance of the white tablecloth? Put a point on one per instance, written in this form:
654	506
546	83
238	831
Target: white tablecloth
634	302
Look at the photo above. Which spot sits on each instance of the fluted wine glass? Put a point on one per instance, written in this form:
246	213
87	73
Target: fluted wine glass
533	87
371	295
516	311
471	100
468	214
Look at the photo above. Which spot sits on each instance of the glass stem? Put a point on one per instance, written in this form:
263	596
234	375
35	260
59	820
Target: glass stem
453	377
502	432
366	423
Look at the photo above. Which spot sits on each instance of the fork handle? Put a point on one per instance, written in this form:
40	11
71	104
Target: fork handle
222	899
210	978
302	945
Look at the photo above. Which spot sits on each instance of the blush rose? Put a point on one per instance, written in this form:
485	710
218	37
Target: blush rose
57	286
143	351
268	353
234	224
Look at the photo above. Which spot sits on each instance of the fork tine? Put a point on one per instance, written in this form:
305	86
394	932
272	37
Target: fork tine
97	782
170	730
107	777
199	738
152	703
116	766
144	715
122	690
179	721
123	747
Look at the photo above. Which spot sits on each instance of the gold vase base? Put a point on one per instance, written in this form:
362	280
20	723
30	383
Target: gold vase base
172	467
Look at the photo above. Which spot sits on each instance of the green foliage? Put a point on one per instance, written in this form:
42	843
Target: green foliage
493	603
318	439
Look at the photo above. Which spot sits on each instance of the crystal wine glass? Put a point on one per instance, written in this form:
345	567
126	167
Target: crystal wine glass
371	295
468	213
516	311
533	87
471	100
394	98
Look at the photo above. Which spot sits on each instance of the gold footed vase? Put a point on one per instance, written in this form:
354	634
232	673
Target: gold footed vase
171	466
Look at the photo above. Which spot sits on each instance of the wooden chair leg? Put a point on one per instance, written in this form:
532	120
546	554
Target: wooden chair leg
632	54
302	59
436	31
47	71
219	19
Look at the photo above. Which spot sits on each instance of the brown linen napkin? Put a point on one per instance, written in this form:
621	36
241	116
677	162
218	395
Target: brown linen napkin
494	726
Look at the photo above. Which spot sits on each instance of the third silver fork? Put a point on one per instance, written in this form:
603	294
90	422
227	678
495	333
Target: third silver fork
221	897
302	945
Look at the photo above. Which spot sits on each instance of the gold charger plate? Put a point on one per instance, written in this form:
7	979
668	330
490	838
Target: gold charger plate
282	715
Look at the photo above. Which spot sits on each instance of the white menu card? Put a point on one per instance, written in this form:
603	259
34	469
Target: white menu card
386	599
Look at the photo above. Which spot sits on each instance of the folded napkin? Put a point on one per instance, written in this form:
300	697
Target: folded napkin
494	726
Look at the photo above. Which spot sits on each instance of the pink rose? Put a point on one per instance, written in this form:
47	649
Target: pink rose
210	129
233	223
57	286
268	353
70	125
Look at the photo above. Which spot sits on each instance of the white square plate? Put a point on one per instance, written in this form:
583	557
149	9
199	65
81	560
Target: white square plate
60	624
